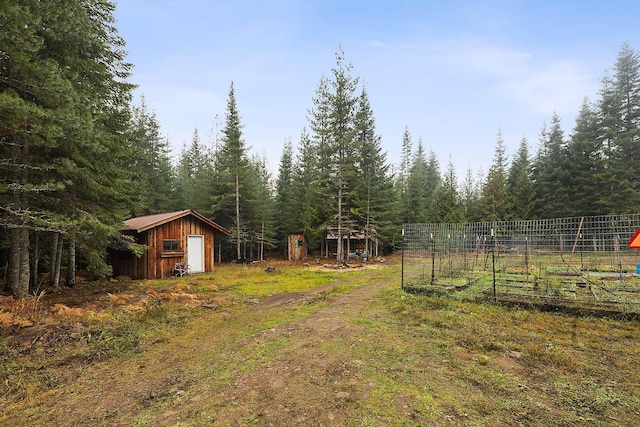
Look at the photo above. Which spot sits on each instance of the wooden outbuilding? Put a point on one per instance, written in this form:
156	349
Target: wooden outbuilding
174	237
355	244
297	246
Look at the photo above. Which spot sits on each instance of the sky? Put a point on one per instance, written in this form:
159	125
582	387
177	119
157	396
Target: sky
454	73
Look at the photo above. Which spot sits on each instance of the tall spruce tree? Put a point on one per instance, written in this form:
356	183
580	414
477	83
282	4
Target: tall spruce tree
342	151
231	199
334	139
192	173
418	186
552	173
434	181
308	202
63	116
315	166
153	174
587	165
520	189
627	70
403	175
284	205
447	197
470	191
620	129
262	220
494	203
373	189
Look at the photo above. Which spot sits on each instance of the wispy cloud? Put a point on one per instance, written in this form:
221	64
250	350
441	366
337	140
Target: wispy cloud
539	82
556	86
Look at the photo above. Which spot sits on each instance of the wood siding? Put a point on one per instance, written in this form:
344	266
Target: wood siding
297	247
155	263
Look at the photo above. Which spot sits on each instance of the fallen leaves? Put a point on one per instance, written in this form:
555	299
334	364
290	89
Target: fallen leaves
64	311
10	320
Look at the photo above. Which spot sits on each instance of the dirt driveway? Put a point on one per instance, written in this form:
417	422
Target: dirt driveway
288	359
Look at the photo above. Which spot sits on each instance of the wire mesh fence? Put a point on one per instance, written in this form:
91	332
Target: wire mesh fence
559	258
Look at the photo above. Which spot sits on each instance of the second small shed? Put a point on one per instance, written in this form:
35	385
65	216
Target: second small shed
297	246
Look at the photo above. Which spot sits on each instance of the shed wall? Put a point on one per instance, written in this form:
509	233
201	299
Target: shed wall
297	247
155	263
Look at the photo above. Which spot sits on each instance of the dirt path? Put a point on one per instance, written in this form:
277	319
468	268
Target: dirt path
312	380
310	370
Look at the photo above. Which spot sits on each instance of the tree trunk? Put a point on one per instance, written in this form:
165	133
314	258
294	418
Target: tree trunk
340	247
18	272
59	259
71	265
56	259
52	259
238	214
262	242
35	262
13	272
367	227
24	260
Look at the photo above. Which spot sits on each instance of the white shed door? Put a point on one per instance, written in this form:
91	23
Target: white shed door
195	253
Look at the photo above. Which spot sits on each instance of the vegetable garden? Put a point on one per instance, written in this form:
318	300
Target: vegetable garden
574	264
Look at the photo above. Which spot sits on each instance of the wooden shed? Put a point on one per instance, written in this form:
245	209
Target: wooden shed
297	246
173	237
355	243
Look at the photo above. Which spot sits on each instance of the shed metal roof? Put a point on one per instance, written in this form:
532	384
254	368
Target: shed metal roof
144	223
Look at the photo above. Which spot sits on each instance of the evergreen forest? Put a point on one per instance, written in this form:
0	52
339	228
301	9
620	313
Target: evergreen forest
79	157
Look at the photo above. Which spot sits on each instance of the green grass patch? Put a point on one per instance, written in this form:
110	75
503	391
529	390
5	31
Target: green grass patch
260	283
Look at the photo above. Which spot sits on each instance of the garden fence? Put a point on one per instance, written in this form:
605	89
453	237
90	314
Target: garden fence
519	256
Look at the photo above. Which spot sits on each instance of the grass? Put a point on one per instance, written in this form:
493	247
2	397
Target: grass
588	284
203	350
560	363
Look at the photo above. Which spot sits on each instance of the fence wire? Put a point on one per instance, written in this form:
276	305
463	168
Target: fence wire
438	254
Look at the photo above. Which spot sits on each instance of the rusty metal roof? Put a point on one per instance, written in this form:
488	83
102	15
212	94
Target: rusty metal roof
143	223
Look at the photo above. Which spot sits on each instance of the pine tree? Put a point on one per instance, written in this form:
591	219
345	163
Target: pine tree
494	204
262	221
470	197
308	200
552	173
284	204
334	141
184	179
619	129
194	175
231	199
343	150
153	174
433	183
418	186
403	175
447	197
520	189
63	117
315	166
627	77
586	162
373	189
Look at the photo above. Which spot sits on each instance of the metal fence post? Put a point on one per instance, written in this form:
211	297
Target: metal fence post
402	268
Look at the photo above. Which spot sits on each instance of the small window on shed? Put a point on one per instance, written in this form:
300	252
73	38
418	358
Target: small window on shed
170	245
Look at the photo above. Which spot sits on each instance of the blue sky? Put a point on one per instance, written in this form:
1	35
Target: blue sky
453	72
